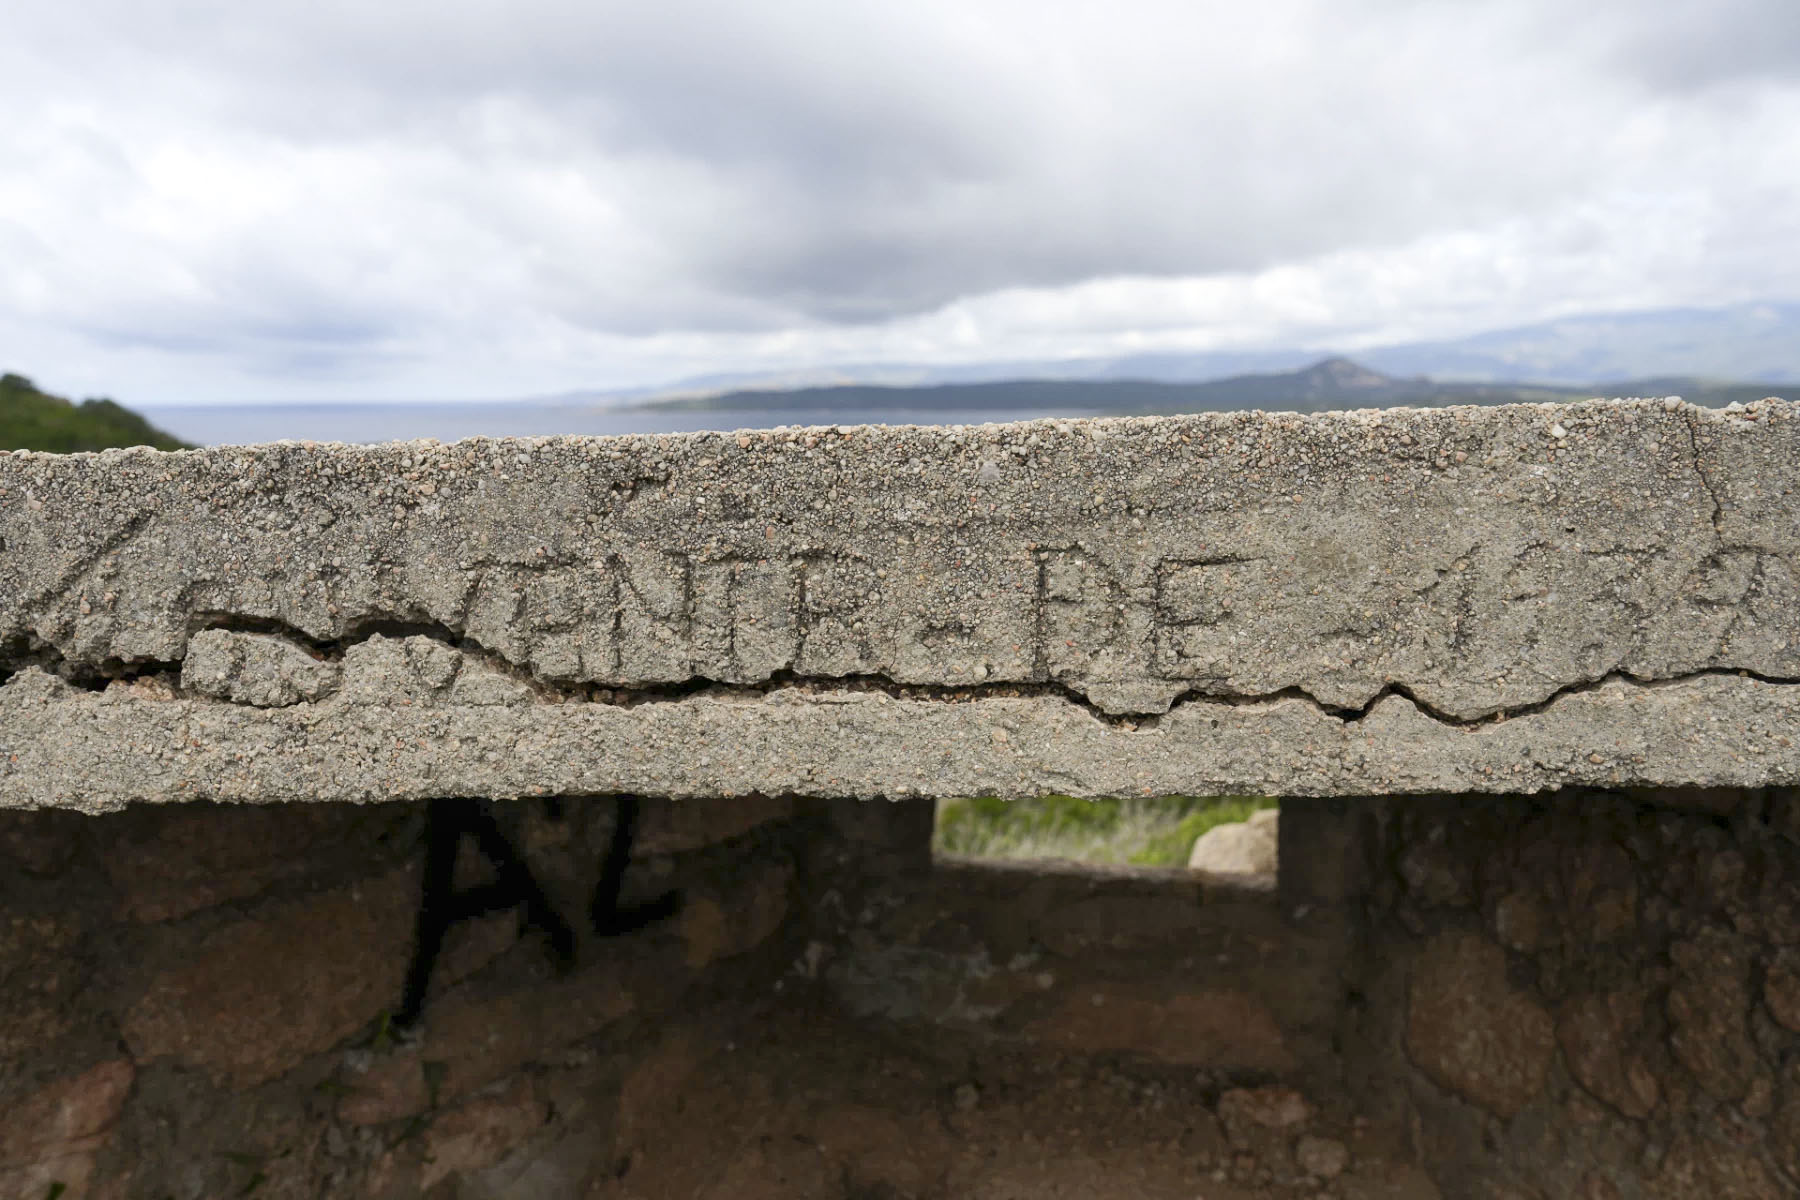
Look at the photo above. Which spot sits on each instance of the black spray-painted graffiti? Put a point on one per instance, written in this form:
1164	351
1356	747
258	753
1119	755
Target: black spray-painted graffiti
441	906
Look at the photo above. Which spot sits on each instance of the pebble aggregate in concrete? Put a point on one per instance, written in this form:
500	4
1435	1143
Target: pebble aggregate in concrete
1412	600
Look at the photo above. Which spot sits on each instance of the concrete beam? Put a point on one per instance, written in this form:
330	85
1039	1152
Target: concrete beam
1459	599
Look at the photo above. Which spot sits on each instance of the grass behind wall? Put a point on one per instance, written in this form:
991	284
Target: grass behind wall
1155	832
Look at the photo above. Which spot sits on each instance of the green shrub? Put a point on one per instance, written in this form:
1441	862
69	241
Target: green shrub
35	420
1172	847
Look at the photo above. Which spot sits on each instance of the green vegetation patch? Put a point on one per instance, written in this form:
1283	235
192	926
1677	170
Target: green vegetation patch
34	420
1156	832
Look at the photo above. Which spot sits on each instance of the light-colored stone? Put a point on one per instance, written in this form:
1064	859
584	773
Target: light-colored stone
1260	1124
1278	1108
1239	847
714	927
1309	605
1321	1157
481	1132
51	1136
384	1088
1471	1031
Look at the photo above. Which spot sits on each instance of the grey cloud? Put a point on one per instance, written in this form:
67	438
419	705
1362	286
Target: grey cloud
1701	45
424	173
860	167
291	348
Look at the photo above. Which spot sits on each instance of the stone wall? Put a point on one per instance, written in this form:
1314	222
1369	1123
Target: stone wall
1152	965
1585	994
196	1000
1593	995
199	999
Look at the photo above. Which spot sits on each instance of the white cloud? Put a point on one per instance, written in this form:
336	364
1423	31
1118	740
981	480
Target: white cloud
309	199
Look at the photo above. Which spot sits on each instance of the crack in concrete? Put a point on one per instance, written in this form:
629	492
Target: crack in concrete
1718	508
91	677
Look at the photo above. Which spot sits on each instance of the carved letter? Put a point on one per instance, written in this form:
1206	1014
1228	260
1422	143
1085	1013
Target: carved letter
1080	612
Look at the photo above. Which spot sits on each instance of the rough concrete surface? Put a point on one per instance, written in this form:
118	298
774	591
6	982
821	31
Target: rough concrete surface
1461	599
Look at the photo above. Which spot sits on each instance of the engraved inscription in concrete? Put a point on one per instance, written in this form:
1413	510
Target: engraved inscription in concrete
1473	564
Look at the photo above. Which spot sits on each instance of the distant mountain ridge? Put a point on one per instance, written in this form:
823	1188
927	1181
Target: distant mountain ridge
1750	342
1753	343
1332	383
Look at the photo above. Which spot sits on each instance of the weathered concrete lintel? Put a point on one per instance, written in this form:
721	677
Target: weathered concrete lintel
1236	602
62	746
1481	558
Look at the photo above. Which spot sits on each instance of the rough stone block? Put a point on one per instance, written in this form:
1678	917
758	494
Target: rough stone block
383	1088
714	927
1471	1031
41	979
1322	1158
1697	1167
40	843
51	1137
1781	990
482	1131
253	999
881	1155
485	1029
174	861
652	1090
1141	924
1709	1006
1601	1035
674	826
1263	1122
1239	847
1222	1029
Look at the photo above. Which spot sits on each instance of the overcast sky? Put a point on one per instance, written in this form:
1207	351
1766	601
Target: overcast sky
339	199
